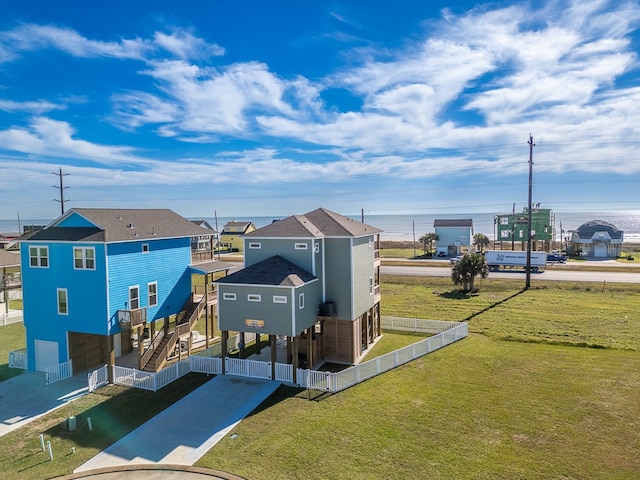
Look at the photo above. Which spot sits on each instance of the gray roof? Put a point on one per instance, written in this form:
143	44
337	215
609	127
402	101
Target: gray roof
212	266
453	222
590	228
118	225
272	271
318	223
9	259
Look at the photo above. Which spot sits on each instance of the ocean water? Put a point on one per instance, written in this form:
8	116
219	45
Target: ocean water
403	227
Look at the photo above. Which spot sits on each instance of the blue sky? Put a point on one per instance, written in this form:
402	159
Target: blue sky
273	108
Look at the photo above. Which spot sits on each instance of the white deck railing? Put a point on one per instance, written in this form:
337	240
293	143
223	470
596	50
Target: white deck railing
55	373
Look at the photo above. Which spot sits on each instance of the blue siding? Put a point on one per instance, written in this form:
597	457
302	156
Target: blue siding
86	290
75	220
166	263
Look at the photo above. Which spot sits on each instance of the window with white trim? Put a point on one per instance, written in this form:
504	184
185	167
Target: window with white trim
255	245
254	297
152	294
316	248
39	257
145	248
63	301
134	297
279	299
228	296
301	301
84	258
301	246
370	285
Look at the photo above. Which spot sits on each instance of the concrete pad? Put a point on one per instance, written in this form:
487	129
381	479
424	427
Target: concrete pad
182	433
26	397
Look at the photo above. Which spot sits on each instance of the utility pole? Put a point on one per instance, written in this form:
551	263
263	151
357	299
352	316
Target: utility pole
61	188
513	227
528	280
561	233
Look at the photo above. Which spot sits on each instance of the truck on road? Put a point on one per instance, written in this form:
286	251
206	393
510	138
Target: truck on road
497	259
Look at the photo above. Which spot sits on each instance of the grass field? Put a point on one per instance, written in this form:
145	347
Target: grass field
12	337
522	397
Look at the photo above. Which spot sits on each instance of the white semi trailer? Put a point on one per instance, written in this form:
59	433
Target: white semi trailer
514	259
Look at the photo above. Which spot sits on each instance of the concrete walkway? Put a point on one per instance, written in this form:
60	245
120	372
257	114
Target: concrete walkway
25	397
182	433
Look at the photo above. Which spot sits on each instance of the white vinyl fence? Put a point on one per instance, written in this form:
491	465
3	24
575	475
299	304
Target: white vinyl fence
98	378
445	333
55	373
18	359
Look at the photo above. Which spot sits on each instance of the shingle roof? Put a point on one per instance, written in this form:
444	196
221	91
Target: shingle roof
295	226
318	223
453	222
242	225
119	225
590	228
272	271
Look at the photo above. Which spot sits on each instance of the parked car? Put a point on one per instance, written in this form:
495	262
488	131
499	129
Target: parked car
455	260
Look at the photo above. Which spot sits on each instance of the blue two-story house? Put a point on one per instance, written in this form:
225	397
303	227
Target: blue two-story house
94	276
311	278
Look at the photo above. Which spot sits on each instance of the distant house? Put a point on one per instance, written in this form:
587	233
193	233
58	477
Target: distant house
8	239
311	278
596	238
9	277
95	278
206	242
455	236
231	237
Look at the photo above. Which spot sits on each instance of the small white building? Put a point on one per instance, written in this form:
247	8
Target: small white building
596	238
455	236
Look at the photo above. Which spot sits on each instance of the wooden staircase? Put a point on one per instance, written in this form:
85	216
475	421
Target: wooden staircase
155	357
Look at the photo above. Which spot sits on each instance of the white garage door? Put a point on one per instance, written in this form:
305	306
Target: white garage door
599	250
46	354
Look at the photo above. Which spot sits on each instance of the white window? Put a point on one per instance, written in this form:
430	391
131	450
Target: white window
255	245
84	258
316	248
145	248
301	301
504	220
152	294
228	296
134	297
301	246
505	233
254	297
370	242
63	303
279	299
39	257
370	285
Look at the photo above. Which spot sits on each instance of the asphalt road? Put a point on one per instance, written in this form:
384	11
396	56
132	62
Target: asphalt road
549	274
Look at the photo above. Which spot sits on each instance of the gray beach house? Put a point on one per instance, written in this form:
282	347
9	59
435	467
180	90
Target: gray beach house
311	280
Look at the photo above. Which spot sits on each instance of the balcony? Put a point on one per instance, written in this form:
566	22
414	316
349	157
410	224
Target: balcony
128	319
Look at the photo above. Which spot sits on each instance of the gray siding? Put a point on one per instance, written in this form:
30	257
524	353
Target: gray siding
338	275
285	247
277	317
363	270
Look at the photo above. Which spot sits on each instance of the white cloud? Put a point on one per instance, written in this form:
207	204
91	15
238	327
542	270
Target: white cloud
37	106
50	138
185	45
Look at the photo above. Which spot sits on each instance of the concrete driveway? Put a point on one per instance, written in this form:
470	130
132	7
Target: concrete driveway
25	397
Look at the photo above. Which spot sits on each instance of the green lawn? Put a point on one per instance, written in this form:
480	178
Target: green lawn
12	337
521	397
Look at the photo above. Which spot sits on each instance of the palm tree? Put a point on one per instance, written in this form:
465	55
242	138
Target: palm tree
480	240
465	271
428	238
